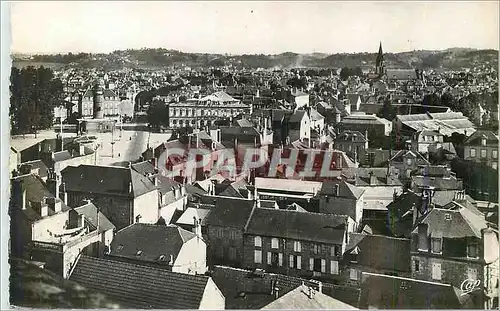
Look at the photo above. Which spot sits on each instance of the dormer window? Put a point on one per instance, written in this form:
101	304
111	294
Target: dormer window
483	141
436	245
138	253
472	251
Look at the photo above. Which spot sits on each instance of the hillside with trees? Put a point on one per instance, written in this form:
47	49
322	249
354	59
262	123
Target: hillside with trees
454	58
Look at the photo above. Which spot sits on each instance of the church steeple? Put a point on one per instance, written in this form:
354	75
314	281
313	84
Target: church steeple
380	61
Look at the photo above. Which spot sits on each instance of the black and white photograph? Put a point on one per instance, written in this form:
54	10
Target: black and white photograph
272	155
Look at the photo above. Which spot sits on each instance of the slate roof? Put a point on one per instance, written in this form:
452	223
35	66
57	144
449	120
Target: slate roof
401	74
391	292
438	183
463	223
381	252
152	240
140	287
289	185
475	139
166	184
230	212
36	164
36	191
232	281
299	299
321	228
144	167
350	136
89	210
190	212
110	180
346	190
315	115
401	154
297	116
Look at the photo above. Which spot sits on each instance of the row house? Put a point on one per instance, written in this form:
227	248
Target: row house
453	244
296	243
375	254
122	194
110	105
421	141
45	229
404	162
166	246
482	146
201	112
341	198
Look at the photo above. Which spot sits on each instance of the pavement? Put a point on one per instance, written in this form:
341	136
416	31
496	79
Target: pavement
128	145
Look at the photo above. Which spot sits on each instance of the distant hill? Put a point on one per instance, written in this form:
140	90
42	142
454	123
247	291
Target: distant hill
452	58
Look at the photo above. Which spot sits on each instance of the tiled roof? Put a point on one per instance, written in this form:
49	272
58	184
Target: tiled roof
391	292
140	287
166	184
321	228
89	210
299	299
152	240
230	212
381	252
106	180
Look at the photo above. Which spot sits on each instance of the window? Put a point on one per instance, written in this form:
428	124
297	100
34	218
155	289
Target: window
417	265
483	153
257	256
323	265
296	246
316	248
471	273
290	261
472	250
494	154
274	243
298	263
472	152
269	258
408	161
280	259
436	245
335	250
483	142
232	253
494	165
232	235
220	232
436	271
353	275
258	241
334	267
311	264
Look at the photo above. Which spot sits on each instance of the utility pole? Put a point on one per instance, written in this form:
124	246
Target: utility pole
112	141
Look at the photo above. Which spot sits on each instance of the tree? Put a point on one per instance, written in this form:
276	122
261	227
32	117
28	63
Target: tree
34	94
387	111
345	73
157	114
431	100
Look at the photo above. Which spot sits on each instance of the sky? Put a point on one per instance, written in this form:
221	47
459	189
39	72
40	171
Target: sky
269	27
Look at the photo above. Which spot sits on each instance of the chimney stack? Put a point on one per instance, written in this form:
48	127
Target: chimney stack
82	150
23	203
44	208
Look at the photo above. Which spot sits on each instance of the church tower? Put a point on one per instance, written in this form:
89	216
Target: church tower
380	66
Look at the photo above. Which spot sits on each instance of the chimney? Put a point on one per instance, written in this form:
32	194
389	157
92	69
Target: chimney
82	221
64	193
276	292
214	183
44	208
129	187
23	203
423	238
54	203
310	292
197	226
336	190
82	150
